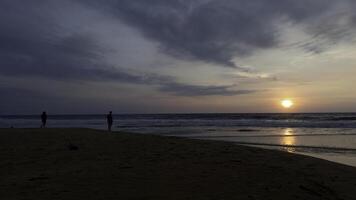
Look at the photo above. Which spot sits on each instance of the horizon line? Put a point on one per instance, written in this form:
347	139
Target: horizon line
183	113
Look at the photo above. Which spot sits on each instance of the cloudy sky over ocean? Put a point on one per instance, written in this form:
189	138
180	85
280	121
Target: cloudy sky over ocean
149	56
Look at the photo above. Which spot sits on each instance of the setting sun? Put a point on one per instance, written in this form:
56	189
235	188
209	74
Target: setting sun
286	103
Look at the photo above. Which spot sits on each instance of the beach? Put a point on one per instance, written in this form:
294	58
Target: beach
329	136
92	164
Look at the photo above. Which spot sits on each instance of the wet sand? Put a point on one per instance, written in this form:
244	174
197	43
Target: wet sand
89	164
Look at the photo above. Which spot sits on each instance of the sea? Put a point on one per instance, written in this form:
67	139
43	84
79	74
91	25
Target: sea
329	136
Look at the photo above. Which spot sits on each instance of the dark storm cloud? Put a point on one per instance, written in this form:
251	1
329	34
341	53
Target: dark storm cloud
67	57
217	30
167	84
33	44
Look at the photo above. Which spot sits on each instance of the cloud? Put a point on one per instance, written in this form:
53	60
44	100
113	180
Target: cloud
33	43
36	44
167	83
218	30
195	90
39	38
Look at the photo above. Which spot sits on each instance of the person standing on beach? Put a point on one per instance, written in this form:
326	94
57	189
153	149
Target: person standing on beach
110	120
44	119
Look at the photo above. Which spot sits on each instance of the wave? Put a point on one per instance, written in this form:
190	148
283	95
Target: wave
275	135
320	148
209	116
284	120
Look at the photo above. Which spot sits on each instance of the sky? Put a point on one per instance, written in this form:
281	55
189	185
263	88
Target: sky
177	56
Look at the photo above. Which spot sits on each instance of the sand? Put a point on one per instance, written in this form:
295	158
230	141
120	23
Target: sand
88	164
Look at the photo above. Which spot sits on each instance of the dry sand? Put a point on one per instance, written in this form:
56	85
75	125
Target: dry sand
87	164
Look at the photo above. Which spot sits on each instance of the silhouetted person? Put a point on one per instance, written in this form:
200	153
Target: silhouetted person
110	120
44	119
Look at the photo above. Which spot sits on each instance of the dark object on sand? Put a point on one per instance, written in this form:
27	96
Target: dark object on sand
73	147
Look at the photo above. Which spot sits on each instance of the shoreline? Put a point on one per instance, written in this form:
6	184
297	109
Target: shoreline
93	164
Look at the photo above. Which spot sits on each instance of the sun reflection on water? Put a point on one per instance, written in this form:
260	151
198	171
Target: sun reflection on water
288	140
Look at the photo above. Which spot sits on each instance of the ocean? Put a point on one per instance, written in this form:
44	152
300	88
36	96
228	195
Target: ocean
330	136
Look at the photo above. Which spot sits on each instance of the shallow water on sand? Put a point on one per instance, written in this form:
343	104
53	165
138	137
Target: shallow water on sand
334	144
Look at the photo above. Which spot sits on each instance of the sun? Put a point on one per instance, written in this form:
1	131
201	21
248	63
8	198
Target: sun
287	103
